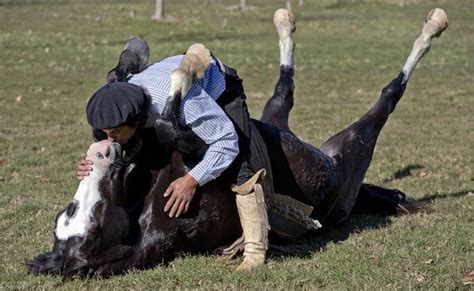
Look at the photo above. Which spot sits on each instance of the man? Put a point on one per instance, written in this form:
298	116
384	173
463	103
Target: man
121	112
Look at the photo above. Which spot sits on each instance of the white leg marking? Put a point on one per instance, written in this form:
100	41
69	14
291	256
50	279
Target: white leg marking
192	67
286	52
435	23
284	23
181	81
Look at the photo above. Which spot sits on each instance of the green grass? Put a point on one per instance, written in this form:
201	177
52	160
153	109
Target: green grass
54	54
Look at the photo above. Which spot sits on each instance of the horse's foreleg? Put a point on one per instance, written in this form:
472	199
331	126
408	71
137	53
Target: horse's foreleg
352	148
172	135
132	60
277	108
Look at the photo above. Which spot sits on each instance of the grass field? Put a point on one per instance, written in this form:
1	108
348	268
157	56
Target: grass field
54	55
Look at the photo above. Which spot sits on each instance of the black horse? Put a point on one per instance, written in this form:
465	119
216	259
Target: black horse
117	232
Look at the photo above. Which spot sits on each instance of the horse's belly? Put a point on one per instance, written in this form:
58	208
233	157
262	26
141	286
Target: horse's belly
299	170
312	171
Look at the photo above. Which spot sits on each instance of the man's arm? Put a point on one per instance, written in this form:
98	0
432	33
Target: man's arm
83	167
212	125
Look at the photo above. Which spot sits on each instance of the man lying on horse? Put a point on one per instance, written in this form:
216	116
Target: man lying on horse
213	107
97	233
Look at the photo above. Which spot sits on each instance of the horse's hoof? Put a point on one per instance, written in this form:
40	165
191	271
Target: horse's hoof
436	22
284	22
204	56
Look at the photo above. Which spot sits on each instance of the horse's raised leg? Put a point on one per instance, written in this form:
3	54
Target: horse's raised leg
277	108
352	148
132	60
172	135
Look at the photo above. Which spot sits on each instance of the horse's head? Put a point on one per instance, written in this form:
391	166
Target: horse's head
95	222
103	154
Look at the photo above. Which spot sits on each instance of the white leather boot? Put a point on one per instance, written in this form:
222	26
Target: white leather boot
254	220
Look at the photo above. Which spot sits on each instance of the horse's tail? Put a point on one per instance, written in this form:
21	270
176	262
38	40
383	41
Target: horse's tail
377	200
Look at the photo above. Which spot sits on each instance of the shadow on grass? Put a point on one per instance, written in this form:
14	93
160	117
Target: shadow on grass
317	240
356	223
435	196
403	173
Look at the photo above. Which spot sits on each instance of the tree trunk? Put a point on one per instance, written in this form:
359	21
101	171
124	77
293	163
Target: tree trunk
243	5
288	5
159	10
300	2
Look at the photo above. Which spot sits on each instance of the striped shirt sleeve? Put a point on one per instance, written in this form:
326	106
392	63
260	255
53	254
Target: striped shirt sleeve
198	110
212	125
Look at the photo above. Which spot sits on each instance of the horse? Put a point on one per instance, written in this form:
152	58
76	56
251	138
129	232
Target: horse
105	231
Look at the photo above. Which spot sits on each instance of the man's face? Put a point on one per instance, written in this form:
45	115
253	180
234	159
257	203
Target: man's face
120	134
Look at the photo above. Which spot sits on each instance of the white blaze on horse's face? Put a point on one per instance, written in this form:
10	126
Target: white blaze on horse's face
101	155
76	219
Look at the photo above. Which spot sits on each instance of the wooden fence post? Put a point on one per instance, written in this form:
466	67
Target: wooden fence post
243	5
159	10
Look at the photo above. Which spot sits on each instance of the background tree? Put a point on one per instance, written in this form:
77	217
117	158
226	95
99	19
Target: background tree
159	10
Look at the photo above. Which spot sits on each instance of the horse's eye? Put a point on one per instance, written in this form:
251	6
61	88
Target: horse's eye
99	155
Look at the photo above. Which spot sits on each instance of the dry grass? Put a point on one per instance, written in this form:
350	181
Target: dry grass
54	54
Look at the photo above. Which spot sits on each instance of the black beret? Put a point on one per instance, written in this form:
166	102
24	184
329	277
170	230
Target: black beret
113	104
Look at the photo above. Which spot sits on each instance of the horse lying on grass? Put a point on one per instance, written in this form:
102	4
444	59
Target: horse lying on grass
103	233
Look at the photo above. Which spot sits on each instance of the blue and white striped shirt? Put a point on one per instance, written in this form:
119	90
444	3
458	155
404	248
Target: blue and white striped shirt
198	110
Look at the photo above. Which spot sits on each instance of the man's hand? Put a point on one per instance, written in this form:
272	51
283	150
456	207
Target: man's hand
182	192
83	167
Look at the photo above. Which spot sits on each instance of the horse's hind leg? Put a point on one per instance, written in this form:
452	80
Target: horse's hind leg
352	148
277	108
